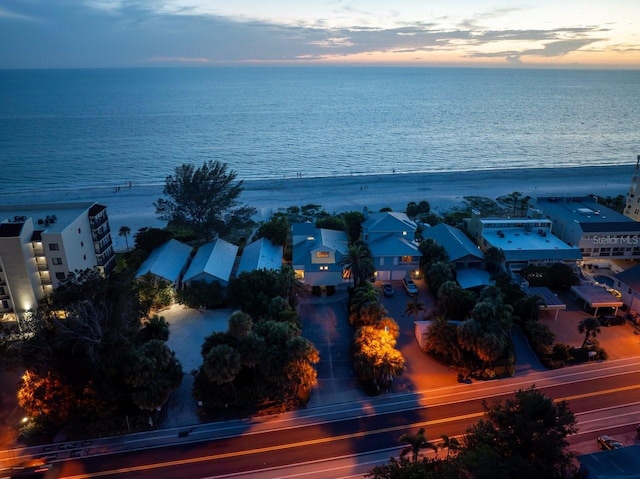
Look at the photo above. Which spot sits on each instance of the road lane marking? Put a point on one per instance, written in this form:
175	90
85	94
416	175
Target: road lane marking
324	440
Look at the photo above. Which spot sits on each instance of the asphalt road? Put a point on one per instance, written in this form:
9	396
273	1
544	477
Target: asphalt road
604	396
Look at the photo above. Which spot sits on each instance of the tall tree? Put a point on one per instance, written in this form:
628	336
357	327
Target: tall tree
205	198
590	327
358	262
125	231
416	442
528	434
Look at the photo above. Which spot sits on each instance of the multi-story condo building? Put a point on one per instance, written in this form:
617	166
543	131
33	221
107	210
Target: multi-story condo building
632	207
41	244
598	231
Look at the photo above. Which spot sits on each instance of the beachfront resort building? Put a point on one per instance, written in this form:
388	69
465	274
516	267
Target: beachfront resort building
41	244
598	231
390	237
523	241
317	254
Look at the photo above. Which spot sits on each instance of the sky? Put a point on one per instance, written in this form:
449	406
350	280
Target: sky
468	33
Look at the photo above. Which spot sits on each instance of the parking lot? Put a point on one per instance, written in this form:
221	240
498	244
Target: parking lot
619	341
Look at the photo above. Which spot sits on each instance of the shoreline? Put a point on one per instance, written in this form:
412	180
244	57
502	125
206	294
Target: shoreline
133	206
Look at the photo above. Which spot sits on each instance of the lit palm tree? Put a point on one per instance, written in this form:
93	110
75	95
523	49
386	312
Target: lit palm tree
125	231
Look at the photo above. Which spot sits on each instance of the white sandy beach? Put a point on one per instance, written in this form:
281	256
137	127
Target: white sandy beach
134	208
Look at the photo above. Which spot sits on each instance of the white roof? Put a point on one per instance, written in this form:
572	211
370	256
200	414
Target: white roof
166	261
261	254
213	261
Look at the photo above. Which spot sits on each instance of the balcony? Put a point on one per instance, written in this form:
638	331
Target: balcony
99	234
98	220
102	247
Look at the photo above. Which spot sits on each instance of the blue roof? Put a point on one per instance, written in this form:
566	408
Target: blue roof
388	221
166	261
392	245
454	241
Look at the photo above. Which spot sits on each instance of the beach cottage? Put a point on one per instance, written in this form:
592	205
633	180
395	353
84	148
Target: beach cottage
391	240
213	262
468	260
261	254
167	262
317	254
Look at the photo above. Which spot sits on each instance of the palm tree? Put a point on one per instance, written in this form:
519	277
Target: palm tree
414	307
590	327
515	196
450	443
358	262
124	231
415	443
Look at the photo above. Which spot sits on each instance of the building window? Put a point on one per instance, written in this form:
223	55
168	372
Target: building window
82	244
79	231
322	254
85	257
54	247
57	261
60	276
406	259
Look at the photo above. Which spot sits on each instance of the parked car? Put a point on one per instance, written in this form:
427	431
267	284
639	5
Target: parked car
608	443
410	287
611	320
387	289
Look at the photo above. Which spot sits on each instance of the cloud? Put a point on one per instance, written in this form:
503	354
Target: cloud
102	33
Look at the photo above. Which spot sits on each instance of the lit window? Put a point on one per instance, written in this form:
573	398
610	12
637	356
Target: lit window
406	259
322	254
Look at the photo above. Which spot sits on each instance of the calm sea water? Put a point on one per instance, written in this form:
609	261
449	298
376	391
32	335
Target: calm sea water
66	128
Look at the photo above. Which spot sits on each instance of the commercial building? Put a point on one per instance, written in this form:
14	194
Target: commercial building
598	231
41	244
523	241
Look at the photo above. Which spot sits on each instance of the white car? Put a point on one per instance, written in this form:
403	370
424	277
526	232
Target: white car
410	287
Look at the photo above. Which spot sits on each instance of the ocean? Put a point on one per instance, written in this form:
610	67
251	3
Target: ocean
62	129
